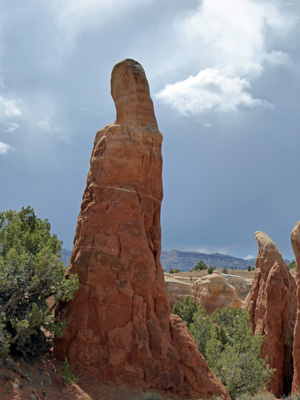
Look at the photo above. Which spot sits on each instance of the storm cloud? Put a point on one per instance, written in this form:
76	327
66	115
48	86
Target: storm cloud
224	77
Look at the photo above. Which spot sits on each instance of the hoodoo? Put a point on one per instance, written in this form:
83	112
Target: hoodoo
272	308
119	322
295	237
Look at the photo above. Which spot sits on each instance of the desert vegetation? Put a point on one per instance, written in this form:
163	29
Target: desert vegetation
226	341
31	284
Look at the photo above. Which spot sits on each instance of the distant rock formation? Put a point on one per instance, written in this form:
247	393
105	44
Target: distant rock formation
215	292
272	308
177	288
295	238
119	323
242	285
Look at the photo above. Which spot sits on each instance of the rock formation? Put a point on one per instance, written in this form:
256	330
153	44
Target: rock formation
215	292
119	323
272	308
177	288
242	285
295	237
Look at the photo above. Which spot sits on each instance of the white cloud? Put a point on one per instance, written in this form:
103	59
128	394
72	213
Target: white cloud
52	126
10	107
250	257
233	32
209	91
12	126
212	249
4	148
43	116
229	43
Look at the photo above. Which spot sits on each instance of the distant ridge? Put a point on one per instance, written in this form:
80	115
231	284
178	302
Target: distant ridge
186	260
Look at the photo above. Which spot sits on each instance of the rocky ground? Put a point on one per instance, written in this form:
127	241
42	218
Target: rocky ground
42	380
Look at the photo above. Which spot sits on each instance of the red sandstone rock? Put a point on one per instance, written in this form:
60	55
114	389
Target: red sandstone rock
119	324
272	308
296	348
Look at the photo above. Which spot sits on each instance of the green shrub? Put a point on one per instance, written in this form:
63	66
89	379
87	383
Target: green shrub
292	264
67	374
201	328
200	266
233	353
211	269
171	271
227	342
176	271
186	310
31	272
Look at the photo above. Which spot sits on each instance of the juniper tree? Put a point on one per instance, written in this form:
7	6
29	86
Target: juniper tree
226	341
31	283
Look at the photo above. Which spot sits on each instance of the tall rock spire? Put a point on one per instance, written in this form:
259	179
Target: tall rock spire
272	308
295	238
119	323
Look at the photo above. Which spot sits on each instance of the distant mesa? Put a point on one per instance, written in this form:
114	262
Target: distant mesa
119	326
186	260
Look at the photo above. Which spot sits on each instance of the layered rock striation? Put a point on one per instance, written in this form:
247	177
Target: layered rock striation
119	323
295	238
272	308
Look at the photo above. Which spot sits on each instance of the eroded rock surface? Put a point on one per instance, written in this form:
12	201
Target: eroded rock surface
272	308
177	288
215	292
119	324
242	285
295	237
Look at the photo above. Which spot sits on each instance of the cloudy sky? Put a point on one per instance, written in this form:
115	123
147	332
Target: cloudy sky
225	80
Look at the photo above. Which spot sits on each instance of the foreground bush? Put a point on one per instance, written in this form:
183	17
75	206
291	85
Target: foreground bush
186	310
68	376
227	342
31	283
